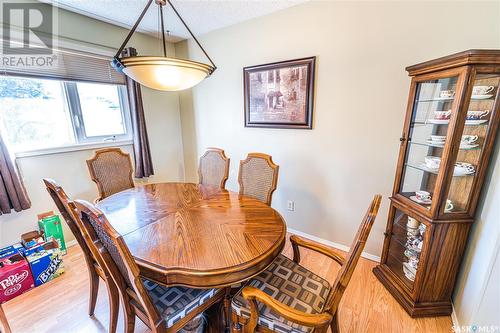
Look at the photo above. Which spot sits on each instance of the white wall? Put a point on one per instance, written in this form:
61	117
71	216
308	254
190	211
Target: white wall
477	293
69	169
362	48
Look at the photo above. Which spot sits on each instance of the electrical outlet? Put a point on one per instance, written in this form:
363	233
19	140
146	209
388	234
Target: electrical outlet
290	205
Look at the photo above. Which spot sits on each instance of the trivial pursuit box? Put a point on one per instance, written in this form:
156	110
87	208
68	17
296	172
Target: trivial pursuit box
50	226
15	275
45	262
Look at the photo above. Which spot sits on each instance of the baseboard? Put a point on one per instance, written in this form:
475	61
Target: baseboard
454	319
338	246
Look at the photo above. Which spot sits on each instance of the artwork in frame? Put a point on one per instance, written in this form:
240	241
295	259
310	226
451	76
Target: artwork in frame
280	94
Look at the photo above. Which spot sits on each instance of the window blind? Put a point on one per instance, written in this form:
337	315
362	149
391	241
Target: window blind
63	64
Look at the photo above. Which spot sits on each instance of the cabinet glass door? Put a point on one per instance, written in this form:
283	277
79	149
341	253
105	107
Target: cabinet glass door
432	110
405	247
479	111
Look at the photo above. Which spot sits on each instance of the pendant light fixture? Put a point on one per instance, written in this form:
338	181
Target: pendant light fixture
162	73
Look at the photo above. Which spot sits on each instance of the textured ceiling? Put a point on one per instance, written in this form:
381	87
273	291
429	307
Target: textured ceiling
201	16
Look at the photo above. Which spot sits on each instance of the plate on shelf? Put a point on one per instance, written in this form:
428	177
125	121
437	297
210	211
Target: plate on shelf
482	96
439	121
408	271
423	202
476	122
438	144
442	99
468	146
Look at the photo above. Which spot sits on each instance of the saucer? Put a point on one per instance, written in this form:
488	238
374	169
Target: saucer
482	96
439	144
468	146
462	172
423	202
439	121
444	98
476	122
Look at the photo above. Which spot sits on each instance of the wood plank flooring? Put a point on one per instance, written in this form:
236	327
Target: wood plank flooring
61	304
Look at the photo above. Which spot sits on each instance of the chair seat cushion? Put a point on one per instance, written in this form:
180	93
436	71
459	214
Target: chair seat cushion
291	284
175	303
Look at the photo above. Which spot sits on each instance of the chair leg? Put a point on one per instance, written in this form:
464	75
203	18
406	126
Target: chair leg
334	325
129	316
94	288
227	310
114	303
236	326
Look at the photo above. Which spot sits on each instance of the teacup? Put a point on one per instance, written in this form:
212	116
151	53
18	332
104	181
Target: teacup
423	195
442	115
412	223
482	90
447	93
432	162
449	206
464	168
469	139
438	138
476	115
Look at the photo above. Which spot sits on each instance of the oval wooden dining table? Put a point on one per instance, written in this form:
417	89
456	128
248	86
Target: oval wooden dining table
195	235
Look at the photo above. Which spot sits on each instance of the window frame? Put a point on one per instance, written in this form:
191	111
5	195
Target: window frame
72	103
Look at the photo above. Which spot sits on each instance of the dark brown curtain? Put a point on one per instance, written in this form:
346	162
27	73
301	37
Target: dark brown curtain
142	152
12	192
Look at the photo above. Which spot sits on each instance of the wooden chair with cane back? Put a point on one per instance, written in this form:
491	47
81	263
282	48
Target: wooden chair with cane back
214	168
258	177
4	324
287	297
161	308
111	170
95	270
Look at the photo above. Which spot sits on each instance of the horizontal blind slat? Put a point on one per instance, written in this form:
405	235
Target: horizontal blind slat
70	65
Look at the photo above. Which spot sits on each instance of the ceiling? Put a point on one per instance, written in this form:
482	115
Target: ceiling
201	16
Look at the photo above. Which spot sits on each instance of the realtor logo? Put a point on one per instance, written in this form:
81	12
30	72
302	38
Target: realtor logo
27	34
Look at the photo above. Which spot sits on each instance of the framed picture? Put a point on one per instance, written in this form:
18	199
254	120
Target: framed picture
280	95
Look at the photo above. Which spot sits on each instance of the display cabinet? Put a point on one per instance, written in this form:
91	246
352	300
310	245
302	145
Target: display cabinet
448	136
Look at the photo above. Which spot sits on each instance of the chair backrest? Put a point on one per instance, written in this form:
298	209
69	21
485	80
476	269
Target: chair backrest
258	177
115	256
214	168
345	273
61	200
111	170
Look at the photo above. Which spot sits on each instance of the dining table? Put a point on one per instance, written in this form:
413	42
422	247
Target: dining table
195	235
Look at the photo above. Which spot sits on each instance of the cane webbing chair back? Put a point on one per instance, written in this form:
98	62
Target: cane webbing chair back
111	170
214	168
258	177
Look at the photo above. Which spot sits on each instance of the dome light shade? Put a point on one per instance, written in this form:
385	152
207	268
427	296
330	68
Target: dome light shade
163	73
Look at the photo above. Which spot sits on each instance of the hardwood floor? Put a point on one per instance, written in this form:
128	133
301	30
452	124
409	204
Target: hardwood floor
61	305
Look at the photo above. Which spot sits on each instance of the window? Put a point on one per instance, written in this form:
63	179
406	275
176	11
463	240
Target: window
40	113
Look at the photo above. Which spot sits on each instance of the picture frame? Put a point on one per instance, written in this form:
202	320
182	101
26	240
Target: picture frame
280	94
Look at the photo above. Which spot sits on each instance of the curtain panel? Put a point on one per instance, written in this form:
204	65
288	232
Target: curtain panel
142	152
13	194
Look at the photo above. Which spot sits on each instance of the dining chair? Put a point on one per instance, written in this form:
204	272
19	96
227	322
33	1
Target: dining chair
111	170
95	270
258	177
4	324
287	297
214	168
161	308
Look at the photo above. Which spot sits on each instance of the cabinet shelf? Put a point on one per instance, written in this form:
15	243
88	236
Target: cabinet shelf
435	172
442	146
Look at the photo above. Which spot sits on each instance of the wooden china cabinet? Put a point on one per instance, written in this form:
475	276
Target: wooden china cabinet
448	136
